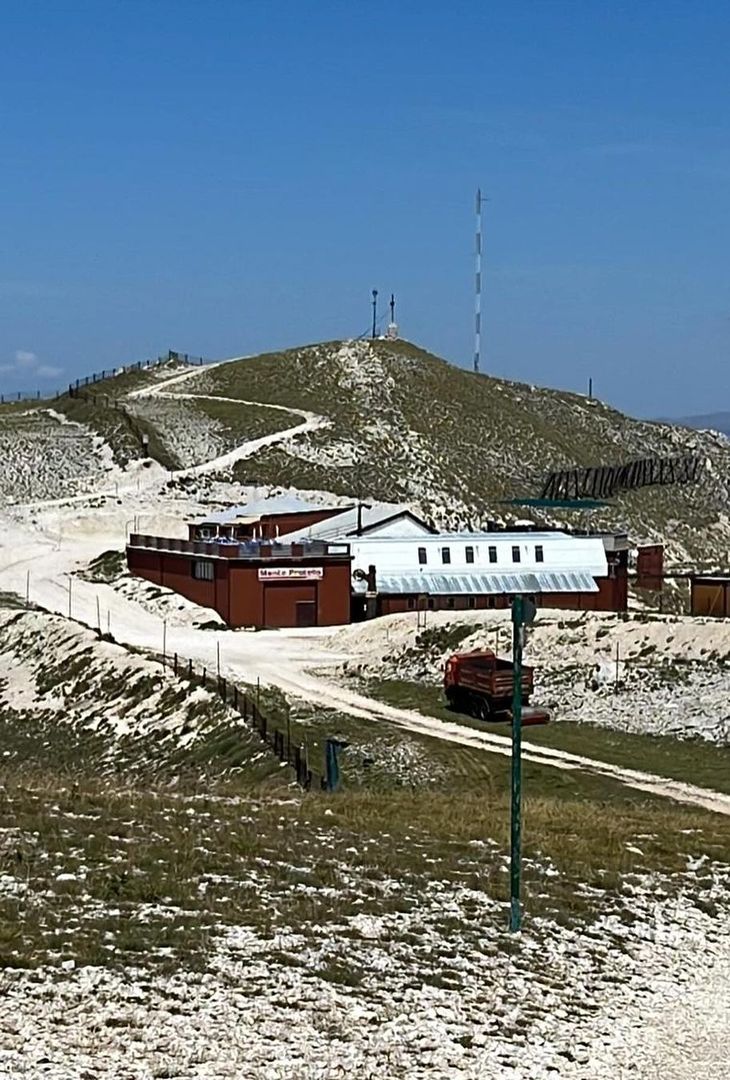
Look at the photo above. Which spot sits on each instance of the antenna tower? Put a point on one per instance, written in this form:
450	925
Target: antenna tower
392	331
375	310
478	285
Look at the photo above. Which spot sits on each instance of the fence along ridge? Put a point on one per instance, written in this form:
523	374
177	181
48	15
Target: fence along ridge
276	738
100	376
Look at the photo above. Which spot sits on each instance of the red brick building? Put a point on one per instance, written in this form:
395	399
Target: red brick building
251	584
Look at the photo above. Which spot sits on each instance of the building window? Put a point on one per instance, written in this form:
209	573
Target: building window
411	602
431	604
539	553
445	555
469	552
449	601
492	554
422	557
471	601
515	553
203	570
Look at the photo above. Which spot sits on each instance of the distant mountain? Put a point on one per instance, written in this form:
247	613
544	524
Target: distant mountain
719	421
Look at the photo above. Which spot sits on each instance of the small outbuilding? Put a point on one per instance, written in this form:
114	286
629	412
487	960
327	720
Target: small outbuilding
710	595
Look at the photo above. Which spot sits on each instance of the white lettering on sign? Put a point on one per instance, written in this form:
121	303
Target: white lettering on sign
291	573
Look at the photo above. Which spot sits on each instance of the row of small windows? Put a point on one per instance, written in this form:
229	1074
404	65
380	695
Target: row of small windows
203	570
469	554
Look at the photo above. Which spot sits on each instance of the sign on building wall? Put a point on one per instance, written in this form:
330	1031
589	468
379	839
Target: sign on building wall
291	573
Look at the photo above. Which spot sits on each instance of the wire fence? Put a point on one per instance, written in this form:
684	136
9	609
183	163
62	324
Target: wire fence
248	705
72	388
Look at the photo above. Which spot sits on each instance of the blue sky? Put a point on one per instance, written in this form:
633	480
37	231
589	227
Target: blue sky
228	177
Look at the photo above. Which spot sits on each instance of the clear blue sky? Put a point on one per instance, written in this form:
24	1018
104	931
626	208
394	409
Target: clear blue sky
228	177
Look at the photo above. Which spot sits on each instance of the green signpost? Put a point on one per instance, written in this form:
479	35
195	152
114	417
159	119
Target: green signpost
523	611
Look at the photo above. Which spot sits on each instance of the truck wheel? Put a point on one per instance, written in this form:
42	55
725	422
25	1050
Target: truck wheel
485	711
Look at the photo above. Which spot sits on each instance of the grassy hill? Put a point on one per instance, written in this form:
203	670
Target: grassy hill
402	424
406	425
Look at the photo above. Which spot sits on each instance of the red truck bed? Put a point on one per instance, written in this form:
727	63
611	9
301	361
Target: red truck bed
481	684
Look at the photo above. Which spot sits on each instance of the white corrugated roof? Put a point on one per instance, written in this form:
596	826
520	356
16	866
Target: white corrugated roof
476	584
347	522
277	504
480	537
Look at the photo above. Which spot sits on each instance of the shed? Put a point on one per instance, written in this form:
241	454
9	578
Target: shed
710	595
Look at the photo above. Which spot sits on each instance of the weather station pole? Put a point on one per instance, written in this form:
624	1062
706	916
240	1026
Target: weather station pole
523	611
515	914
375	311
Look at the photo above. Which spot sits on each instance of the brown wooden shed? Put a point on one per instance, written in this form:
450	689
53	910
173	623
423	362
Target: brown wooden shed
710	595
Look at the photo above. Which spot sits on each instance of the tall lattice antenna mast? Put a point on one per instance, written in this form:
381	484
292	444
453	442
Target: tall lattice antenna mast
478	285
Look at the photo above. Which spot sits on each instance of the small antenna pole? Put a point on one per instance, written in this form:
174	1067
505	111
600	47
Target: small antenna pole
392	307
478	285
375	310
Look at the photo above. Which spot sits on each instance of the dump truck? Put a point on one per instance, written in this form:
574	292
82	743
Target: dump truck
480	683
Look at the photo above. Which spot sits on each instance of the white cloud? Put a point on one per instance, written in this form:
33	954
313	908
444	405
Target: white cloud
27	362
25	359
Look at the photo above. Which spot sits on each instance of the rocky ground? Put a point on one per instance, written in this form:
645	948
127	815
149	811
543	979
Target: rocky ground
606	1002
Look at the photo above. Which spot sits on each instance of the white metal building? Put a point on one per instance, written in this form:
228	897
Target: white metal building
471	565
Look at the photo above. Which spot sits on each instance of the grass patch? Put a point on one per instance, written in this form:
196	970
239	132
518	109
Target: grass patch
692	760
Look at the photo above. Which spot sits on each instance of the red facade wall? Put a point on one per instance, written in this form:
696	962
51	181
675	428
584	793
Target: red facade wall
650	567
237	594
612	595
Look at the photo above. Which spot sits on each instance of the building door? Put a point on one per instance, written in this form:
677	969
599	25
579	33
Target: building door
282	600
306	613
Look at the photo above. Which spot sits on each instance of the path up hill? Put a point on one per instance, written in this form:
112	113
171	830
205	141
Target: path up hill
381	420
403	424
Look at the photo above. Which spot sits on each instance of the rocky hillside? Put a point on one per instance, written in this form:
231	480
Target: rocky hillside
405	425
387	420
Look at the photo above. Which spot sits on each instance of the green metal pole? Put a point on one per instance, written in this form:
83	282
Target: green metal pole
515	915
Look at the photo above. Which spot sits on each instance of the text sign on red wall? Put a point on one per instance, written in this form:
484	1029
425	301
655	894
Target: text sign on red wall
291	573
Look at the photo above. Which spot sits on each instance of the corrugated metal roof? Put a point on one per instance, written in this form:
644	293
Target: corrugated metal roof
277	504
475	584
347	522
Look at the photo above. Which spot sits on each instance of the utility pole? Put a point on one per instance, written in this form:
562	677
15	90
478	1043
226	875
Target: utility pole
478	285
523	611
375	311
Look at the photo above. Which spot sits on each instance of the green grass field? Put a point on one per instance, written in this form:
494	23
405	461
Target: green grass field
694	761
